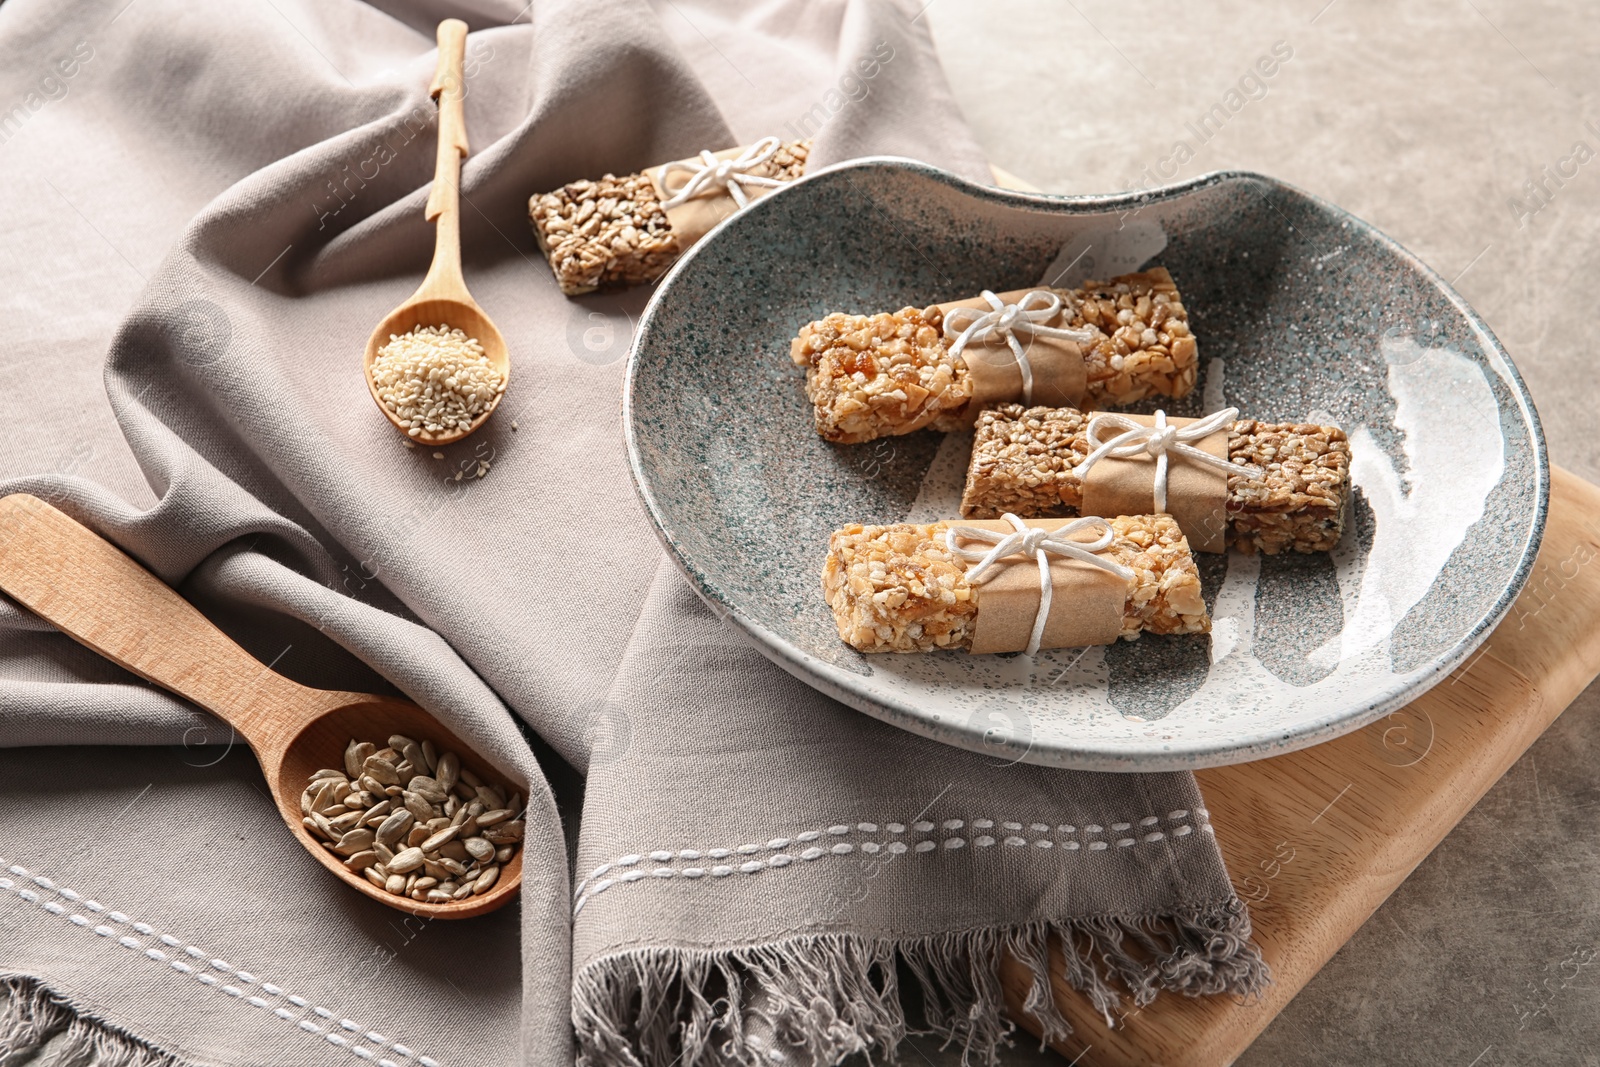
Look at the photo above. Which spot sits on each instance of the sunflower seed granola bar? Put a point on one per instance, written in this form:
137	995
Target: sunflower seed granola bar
1024	460
898	588
870	376
613	231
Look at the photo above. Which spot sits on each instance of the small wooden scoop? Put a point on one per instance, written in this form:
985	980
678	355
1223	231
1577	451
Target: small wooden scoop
443	300
84	585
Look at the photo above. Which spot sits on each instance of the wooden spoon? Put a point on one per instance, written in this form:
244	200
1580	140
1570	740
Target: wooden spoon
84	585
442	299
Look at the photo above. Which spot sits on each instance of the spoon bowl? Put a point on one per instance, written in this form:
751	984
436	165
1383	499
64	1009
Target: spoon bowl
442	299
321	744
458	312
89	589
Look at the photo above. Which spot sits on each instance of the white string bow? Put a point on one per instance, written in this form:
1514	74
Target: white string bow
730	174
1027	317
1025	540
1160	441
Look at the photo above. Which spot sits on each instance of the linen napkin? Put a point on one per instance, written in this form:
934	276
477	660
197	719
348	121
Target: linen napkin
211	205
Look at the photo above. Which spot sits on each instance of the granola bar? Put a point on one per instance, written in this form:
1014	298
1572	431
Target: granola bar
613	231
899	588
870	376
1024	460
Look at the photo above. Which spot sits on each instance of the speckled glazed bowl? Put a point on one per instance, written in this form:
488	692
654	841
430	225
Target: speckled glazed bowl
1301	311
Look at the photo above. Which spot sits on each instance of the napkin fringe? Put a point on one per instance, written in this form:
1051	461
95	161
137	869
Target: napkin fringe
35	1021
833	995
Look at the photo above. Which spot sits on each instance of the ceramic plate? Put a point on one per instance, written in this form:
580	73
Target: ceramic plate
1302	312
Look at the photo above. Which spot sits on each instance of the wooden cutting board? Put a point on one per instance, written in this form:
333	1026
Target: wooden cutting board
1317	839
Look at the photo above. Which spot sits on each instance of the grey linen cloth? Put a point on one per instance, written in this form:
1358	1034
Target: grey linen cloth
209	207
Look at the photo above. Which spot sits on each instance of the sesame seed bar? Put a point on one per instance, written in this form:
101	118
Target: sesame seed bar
1024	460
871	376
899	588
611	231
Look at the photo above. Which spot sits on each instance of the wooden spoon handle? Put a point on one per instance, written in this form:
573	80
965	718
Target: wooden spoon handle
75	579
449	88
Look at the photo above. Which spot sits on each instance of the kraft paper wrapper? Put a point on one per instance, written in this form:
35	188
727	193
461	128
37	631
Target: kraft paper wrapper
1060	377
1086	601
696	217
1197	496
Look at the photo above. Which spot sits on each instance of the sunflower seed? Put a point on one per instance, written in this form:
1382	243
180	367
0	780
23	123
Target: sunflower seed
439	838
348	821
327	773
409	860
417	835
376	879
398	742
353	842
418	805
393	827
489	818
428	788
478	848
454	850
448	771
417	758
430	755
425	883
504	853
471	779
355	755
505	833
362	860
491	797
486	880
395	883
383	771
463	892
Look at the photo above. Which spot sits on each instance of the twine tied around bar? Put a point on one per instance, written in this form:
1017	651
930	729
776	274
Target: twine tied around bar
730	174
1161	441
1040	543
1027	317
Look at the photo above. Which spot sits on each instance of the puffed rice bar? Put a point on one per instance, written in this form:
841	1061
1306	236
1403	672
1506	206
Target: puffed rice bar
899	588
613	231
1024	461
870	376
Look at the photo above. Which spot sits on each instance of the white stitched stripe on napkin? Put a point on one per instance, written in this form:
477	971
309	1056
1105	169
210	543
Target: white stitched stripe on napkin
227	979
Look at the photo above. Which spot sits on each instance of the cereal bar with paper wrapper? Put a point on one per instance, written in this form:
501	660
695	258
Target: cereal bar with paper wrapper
1103	344
1011	585
610	231
1232	482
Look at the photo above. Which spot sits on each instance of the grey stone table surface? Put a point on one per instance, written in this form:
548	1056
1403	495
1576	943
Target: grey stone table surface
1468	130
